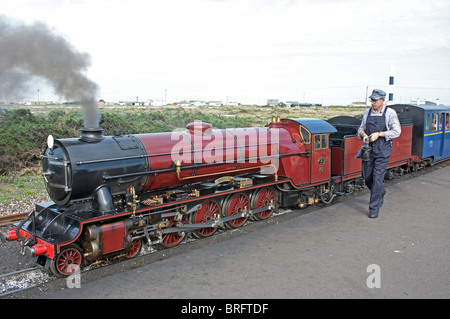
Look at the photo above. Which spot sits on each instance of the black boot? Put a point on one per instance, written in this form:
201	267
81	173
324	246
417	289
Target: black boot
373	214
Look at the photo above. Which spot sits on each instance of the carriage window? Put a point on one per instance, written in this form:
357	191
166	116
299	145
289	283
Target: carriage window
306	136
432	122
447	120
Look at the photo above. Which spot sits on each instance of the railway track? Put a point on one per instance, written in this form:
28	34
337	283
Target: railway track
9	219
20	280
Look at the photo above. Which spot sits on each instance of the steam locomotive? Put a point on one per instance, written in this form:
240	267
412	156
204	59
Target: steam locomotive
113	194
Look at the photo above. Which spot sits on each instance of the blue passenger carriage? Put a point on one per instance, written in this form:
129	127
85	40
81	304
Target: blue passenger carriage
431	132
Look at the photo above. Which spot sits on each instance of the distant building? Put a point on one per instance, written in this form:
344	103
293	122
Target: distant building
420	101
184	103
214	103
197	102
291	103
104	103
273	102
41	102
156	102
358	104
133	103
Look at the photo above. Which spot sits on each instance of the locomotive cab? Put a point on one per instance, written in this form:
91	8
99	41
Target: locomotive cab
310	162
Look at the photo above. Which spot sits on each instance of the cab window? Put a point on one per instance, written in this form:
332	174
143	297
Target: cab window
320	141
324	141
317	142
306	136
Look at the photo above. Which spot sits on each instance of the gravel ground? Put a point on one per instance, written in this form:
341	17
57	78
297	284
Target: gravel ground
11	258
19	206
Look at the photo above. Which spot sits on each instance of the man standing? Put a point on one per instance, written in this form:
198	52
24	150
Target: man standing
379	126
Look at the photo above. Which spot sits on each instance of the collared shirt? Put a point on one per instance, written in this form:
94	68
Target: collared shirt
392	123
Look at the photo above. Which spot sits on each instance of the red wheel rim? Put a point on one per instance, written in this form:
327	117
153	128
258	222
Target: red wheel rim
263	199
207	212
237	204
172	239
134	250
67	261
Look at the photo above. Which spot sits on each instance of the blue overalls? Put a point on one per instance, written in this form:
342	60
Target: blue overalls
373	171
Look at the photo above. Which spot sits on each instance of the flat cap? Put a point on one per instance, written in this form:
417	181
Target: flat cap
377	94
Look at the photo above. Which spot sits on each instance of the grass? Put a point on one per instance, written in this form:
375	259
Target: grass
20	188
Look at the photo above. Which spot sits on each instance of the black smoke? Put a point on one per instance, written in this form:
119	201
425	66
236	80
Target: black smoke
32	52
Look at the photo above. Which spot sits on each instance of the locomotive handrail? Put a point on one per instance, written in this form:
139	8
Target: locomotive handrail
169	153
51	157
194	166
111	159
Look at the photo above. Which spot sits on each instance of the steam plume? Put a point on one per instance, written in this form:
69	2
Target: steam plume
27	51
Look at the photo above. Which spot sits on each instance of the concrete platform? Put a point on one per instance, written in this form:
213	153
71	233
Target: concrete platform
334	252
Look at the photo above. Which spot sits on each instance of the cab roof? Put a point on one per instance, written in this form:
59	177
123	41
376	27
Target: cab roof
315	126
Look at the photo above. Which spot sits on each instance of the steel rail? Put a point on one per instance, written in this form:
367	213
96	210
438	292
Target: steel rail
16	273
8	219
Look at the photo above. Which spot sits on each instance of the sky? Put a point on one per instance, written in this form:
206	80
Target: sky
316	51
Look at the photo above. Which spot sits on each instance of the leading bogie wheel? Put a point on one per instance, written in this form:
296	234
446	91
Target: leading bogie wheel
67	261
135	249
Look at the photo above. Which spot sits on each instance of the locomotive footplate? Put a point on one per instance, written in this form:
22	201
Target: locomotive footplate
50	225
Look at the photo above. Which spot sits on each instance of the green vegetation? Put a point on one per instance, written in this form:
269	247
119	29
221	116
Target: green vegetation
20	188
23	136
165	120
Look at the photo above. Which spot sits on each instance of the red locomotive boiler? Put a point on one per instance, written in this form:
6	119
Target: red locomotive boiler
112	194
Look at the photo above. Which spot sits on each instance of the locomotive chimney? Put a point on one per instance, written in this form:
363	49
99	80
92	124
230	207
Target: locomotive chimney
91	134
